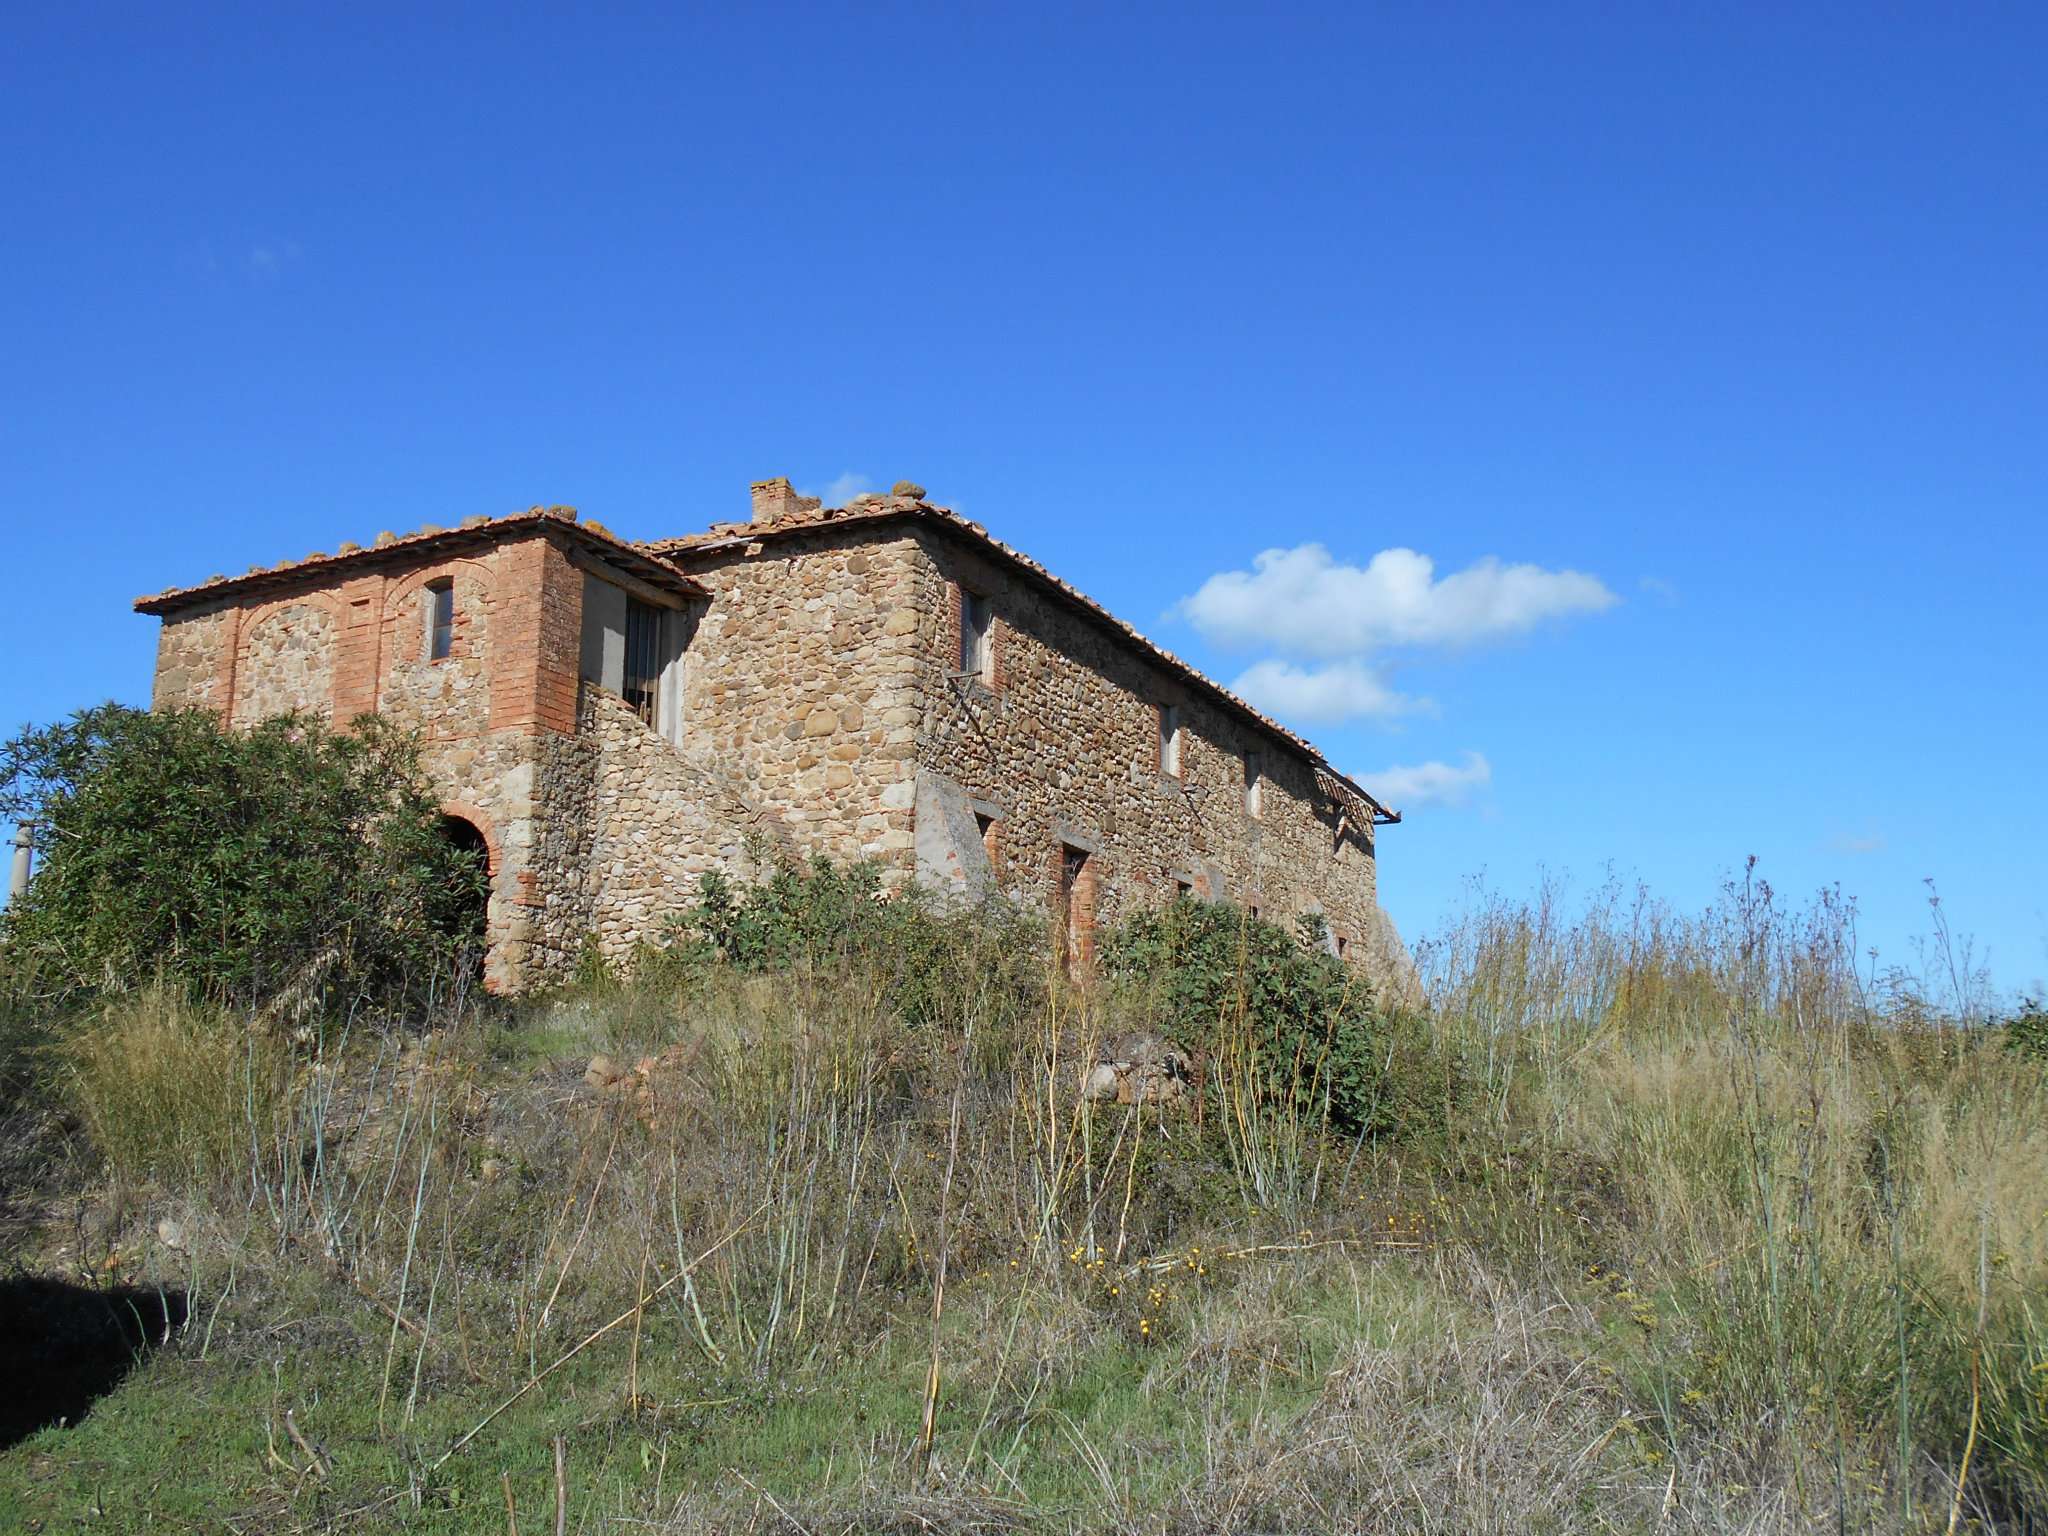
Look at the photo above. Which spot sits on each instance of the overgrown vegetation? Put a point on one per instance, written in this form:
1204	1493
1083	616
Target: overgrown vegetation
1280	1012
243	866
172	1089
2026	1032
798	1223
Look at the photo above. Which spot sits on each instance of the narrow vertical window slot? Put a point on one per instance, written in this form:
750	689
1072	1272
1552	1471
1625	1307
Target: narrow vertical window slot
440	620
976	623
1169	740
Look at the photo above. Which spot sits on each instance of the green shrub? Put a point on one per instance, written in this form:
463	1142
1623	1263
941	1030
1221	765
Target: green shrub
931	964
1215	977
237	863
2026	1032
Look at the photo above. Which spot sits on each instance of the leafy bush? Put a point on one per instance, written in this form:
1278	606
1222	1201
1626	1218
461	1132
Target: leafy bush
1215	977
933	965
2026	1032
814	915
236	863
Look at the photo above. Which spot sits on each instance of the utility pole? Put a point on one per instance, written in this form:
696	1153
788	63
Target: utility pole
24	856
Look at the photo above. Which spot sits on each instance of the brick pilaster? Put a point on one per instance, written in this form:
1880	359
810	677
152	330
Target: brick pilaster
227	663
536	638
357	661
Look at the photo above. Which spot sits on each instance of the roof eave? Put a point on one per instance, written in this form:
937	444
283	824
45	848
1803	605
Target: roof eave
638	559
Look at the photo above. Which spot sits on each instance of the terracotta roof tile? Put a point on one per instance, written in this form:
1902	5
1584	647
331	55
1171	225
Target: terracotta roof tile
641	559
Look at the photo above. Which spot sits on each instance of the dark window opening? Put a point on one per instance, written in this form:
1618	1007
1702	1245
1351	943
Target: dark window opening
440	620
463	910
1343	947
976	625
642	688
1183	890
986	826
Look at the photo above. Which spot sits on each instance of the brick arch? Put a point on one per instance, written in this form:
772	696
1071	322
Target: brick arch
494	865
463	810
393	646
313	597
404	586
250	623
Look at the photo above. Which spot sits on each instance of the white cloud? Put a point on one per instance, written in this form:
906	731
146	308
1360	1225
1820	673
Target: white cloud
1416	786
1303	601
1344	690
842	490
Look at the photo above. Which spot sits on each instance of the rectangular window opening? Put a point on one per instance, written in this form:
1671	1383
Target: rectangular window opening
642	686
977	624
986	826
1254	785
1169	740
440	620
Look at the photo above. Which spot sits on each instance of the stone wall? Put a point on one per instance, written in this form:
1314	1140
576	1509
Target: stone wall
656	820
801	681
443	698
286	663
190	652
1059	749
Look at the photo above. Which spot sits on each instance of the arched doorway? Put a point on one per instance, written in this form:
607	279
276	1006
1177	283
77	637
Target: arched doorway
463	915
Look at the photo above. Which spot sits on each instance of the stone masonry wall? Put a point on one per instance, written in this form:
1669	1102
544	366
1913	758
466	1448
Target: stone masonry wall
190	651
450	697
801	684
1061	749
286	664
658	820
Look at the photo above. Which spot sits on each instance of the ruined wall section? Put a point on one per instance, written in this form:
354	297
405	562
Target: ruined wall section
1060	747
801	685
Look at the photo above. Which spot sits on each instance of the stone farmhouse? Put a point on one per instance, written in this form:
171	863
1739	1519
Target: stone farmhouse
607	720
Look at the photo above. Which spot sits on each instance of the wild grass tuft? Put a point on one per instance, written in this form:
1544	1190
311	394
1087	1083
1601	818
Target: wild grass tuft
173	1090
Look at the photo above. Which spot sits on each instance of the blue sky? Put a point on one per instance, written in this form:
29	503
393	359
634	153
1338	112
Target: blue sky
1701	359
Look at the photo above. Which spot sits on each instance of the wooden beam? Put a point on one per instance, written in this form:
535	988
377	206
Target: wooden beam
618	576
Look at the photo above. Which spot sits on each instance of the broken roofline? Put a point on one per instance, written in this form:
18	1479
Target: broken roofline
726	536
562	521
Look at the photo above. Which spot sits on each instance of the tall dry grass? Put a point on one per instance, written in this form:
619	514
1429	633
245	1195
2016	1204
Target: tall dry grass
174	1090
1708	1232
1819	1197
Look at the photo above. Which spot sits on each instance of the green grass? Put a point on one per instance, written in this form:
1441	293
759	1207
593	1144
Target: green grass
197	1438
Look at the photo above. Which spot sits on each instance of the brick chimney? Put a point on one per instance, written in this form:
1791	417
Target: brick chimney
776	499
